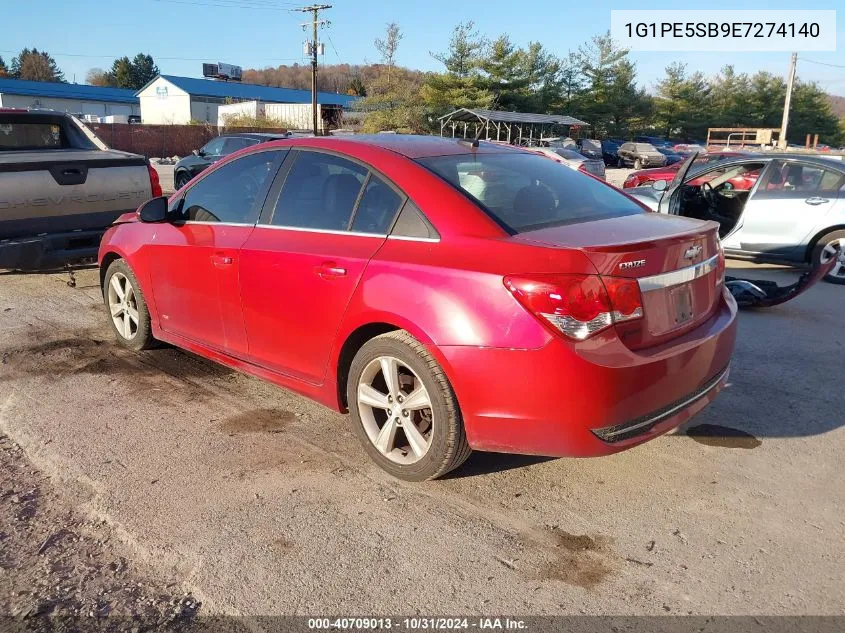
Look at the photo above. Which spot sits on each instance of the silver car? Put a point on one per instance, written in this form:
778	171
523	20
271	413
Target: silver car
573	159
772	208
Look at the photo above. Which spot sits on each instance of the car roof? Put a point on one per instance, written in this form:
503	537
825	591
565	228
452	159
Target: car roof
821	161
408	145
257	135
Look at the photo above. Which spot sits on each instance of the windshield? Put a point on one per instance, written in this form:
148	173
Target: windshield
645	147
523	192
590	143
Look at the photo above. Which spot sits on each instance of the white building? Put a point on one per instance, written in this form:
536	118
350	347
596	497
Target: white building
168	99
77	99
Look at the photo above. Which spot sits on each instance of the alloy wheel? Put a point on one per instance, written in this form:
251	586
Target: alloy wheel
123	306
395	410
834	249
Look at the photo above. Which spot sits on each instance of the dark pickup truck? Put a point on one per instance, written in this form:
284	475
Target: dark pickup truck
61	188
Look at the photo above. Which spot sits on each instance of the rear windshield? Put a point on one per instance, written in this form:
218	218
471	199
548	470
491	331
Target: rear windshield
569	154
20	136
589	143
525	191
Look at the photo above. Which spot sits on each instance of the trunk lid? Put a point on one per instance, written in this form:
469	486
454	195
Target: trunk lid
676	261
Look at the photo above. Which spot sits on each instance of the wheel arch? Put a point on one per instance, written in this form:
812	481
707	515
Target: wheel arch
105	261
811	245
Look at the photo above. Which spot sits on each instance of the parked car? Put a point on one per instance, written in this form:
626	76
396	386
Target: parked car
609	149
218	147
60	188
672	157
443	291
686	149
647	176
653	140
639	155
574	160
591	148
785	209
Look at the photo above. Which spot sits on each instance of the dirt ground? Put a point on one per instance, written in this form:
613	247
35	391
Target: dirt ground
224	495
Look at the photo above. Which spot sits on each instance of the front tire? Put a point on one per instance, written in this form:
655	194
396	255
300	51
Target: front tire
404	410
128	313
638	164
830	246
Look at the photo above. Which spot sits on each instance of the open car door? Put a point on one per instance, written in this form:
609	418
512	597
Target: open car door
670	200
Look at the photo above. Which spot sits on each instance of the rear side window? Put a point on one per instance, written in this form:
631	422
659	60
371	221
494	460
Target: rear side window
526	191
232	193
234	143
320	192
28	136
377	207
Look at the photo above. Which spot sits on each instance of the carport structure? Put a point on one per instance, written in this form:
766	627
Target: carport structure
512	127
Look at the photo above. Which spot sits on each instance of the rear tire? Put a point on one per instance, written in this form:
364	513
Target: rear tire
826	248
411	425
126	307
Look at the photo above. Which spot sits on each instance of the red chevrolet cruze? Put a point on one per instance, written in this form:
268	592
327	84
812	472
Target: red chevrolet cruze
452	296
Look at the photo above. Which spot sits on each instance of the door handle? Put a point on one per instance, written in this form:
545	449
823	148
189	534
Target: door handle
330	270
816	200
220	261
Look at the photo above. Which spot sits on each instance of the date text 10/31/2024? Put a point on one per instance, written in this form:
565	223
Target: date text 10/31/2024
418	623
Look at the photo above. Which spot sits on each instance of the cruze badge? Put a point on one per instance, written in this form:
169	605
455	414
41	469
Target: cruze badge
692	252
637	263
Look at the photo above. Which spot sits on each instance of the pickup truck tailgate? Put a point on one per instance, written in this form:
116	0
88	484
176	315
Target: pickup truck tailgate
55	191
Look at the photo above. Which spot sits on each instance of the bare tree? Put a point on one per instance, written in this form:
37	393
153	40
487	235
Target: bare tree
387	47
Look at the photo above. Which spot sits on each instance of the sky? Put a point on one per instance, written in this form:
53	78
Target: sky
181	34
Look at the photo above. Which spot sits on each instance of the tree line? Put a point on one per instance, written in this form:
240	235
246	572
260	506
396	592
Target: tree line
597	83
35	65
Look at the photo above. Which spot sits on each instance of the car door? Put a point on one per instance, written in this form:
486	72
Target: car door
788	206
193	258
325	218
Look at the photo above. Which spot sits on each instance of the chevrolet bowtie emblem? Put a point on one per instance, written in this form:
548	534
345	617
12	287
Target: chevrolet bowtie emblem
692	252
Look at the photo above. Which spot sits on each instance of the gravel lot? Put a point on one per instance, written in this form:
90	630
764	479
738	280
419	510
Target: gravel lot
257	501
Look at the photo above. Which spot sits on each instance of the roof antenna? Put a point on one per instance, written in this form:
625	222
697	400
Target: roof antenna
474	142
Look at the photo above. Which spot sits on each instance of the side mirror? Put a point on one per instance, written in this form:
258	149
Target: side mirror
659	185
154	210
196	152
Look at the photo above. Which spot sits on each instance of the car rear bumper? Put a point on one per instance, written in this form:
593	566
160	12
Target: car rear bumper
592	398
51	250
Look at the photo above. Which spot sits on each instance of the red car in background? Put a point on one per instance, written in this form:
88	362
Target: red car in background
647	176
450	295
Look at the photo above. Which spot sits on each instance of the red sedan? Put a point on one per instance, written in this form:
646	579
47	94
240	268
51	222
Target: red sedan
450	296
645	176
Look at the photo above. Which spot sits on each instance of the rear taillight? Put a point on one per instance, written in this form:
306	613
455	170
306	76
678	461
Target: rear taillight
155	184
578	305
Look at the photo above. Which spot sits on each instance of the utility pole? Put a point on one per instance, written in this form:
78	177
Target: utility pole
790	81
314	9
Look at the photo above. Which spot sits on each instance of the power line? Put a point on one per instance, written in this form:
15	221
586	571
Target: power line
333	48
812	61
238	4
156	57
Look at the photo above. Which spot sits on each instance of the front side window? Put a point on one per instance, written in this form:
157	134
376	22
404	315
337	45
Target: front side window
527	191
320	192
214	147
230	193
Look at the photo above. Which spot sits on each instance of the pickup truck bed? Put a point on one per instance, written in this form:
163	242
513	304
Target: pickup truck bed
60	189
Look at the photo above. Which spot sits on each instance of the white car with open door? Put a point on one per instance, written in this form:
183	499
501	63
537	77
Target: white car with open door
772	208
